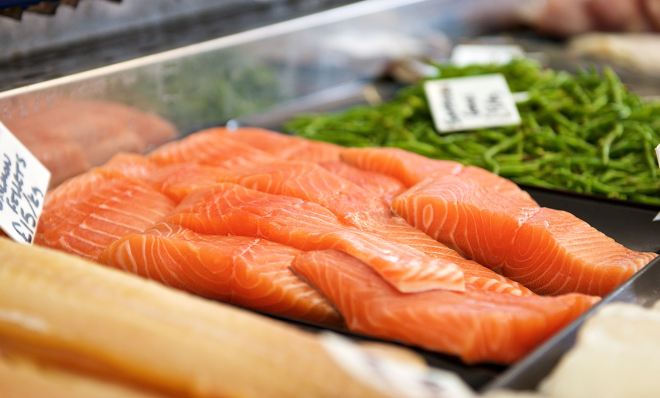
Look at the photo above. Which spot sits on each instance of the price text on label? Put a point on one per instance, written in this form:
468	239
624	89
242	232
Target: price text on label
23	184
473	102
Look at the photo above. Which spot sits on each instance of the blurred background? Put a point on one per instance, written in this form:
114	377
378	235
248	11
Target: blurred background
42	40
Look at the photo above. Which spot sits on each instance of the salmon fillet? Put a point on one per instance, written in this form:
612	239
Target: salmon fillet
489	219
547	250
475	325
87	213
363	210
381	185
175	180
284	146
69	137
249	272
230	209
407	167
211	147
411	168
135	166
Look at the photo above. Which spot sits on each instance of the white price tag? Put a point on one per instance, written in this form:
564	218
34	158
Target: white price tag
392	377
466	103
23	184
476	54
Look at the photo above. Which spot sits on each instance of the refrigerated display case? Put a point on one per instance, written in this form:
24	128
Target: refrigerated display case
325	61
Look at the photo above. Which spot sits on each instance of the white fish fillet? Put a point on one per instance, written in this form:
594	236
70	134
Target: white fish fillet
71	312
617	354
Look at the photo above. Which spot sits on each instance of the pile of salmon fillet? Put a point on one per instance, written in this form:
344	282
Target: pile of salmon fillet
377	240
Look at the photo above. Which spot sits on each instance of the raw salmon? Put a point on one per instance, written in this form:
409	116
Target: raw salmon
178	181
212	147
359	208
476	275
478	326
69	137
230	209
286	147
311	182
381	185
135	166
411	168
489	219
249	272
549	251
87	213
407	167
175	180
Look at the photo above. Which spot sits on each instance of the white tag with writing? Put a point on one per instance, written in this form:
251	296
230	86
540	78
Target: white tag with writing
473	102
392	377
478	54
23	184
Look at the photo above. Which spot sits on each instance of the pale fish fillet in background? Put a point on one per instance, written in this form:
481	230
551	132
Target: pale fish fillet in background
69	137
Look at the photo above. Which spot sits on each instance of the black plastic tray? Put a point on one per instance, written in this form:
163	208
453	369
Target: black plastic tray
628	223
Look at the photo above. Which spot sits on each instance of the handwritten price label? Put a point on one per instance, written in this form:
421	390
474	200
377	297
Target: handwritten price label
23	184
467	103
392	377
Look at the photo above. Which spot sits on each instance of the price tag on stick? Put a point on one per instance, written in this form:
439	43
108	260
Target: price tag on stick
473	102
23	185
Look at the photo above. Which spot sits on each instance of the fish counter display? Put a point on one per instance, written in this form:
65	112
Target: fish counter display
177	258
343	237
